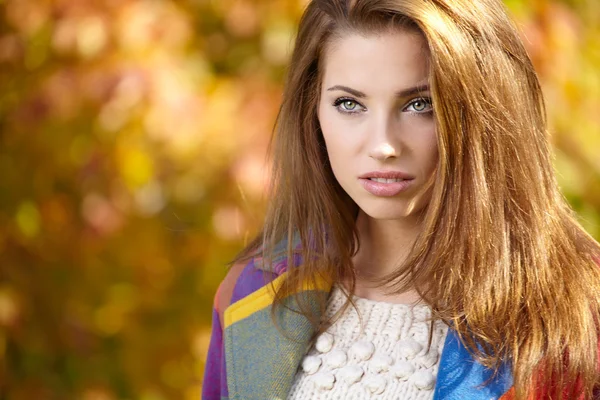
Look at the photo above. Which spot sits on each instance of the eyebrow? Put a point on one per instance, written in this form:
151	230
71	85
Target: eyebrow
403	93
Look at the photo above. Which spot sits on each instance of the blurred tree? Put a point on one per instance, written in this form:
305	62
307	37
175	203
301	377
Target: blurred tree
133	137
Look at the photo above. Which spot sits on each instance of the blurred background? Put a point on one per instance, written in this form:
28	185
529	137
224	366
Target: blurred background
133	139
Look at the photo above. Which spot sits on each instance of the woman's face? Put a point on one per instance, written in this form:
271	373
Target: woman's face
377	120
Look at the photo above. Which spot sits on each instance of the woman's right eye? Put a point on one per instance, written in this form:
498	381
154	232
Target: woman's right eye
347	106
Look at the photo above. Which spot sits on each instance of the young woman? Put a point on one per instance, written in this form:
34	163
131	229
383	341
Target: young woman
416	244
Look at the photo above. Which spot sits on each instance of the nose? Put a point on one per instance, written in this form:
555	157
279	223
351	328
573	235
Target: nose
383	143
383	151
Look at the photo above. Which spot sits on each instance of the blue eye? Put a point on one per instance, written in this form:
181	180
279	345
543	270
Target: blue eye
347	105
420	105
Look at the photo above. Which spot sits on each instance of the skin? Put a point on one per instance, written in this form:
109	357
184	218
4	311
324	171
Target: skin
380	131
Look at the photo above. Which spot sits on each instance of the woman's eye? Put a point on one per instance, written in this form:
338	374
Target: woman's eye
347	105
421	105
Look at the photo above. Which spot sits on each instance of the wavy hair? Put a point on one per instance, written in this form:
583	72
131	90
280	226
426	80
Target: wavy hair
501	257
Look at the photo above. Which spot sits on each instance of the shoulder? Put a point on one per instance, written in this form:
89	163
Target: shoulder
242	280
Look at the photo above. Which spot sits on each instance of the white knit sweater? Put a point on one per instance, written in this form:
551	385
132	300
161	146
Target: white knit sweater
387	359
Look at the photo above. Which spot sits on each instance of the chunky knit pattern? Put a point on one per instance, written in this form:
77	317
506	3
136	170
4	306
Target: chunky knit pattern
380	352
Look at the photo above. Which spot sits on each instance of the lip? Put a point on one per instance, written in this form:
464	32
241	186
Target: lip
386	189
387	175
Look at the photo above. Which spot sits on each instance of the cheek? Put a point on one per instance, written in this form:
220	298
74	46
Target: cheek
342	134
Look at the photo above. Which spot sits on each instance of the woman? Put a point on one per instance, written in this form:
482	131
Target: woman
416	244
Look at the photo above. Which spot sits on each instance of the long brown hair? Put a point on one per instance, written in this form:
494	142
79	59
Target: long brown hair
501	257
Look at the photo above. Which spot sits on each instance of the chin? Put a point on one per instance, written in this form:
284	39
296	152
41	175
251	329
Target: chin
388	211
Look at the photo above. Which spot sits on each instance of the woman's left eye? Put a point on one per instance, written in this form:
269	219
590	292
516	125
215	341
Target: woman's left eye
420	105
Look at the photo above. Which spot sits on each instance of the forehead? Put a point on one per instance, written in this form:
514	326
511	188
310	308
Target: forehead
392	59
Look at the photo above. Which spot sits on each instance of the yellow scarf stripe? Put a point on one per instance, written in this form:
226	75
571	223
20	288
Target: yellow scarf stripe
263	298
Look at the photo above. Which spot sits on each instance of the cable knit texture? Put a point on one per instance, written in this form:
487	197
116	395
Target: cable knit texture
382	353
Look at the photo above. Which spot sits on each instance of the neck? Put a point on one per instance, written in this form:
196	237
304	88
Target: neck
384	246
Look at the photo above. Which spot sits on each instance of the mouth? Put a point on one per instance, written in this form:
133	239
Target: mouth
387	176
384	180
386	187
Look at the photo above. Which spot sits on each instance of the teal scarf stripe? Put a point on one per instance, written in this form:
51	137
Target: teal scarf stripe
261	361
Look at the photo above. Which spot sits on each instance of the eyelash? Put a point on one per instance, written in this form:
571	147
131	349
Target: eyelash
338	102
